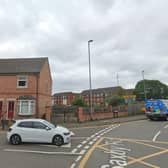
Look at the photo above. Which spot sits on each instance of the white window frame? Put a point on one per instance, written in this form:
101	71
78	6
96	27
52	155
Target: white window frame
18	80
30	110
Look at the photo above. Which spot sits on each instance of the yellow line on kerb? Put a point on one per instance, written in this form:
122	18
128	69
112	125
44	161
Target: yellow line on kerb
89	153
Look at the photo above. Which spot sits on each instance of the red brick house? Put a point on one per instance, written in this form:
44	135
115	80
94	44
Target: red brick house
100	95
25	88
64	98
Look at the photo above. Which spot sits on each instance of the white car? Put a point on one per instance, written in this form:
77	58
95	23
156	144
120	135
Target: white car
37	130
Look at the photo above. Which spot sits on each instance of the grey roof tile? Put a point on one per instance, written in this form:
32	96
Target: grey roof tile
22	65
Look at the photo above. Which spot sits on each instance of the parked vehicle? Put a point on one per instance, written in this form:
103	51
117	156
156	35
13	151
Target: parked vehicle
38	131
157	109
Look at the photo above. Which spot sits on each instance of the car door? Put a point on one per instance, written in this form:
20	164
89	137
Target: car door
25	130
41	132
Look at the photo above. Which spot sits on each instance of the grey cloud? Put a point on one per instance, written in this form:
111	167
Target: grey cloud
129	36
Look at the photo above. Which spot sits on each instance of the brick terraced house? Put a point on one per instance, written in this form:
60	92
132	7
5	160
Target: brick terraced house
100	95
64	98
25	88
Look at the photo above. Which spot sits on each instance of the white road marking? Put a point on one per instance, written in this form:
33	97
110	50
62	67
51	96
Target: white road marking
79	146
41	152
84	142
82	152
78	158
73	165
88	138
79	137
166	126
87	147
154	138
91	142
74	150
54	146
95	139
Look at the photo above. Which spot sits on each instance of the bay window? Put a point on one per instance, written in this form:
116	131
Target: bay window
26	107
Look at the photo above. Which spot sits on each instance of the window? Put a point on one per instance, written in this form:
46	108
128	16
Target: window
64	97
26	107
25	124
39	125
22	82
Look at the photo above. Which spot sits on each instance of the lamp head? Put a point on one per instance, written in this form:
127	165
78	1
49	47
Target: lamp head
90	41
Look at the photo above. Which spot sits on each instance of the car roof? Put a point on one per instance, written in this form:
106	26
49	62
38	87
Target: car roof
31	119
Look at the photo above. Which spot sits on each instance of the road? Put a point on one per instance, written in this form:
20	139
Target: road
139	144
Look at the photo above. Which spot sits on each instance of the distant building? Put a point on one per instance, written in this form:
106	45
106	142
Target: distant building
99	95
64	98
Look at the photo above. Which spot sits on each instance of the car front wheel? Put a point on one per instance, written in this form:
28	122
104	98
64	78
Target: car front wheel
58	140
15	139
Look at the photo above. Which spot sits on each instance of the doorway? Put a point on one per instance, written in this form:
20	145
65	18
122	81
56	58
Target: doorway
11	108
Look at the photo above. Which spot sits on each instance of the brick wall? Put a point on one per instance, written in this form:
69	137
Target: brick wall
82	116
45	89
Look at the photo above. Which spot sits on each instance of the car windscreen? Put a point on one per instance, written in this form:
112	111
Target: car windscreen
49	124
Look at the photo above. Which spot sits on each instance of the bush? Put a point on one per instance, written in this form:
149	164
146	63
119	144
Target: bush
115	101
79	102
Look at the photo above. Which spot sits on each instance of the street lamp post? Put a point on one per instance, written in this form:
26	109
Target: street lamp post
90	80
144	84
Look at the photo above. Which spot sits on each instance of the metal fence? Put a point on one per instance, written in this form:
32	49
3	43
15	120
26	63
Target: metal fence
135	108
64	114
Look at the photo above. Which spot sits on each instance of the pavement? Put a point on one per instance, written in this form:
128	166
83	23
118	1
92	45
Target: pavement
98	122
105	121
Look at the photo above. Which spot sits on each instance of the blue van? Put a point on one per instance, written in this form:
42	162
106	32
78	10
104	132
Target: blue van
157	109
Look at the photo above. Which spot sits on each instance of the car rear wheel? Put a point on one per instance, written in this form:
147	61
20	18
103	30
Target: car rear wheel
58	140
15	139
166	118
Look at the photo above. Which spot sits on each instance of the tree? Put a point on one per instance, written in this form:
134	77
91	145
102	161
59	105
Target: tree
115	100
154	90
79	102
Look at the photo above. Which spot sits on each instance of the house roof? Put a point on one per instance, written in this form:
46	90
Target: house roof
112	90
65	94
22	65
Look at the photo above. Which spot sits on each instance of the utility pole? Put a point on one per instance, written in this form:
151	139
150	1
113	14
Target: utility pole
90	80
117	79
144	84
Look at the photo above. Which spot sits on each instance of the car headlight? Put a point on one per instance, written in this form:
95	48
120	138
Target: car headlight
66	133
10	129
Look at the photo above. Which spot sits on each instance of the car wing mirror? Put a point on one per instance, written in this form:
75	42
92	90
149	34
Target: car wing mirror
48	128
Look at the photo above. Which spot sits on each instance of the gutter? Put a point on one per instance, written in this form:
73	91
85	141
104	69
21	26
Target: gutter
37	95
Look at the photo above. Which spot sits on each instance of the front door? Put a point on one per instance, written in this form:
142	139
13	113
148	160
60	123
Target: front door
0	109
11	105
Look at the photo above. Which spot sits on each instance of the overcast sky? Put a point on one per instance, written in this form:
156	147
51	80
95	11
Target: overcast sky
129	36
